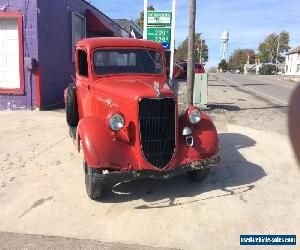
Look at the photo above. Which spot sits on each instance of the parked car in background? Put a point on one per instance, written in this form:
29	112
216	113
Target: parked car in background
180	70
199	68
124	117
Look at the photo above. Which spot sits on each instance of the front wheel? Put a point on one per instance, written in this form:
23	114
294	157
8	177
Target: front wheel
199	175
93	189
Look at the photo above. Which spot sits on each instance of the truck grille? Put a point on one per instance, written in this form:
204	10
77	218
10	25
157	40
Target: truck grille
157	130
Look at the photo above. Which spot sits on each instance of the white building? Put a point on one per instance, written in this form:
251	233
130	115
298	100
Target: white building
292	62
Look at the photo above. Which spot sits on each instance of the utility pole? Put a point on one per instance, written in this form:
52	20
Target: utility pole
172	47
278	43
191	51
145	19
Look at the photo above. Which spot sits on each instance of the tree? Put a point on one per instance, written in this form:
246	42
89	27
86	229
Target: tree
223	66
140	21
272	44
240	57
181	53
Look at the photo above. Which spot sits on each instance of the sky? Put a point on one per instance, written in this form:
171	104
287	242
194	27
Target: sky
247	21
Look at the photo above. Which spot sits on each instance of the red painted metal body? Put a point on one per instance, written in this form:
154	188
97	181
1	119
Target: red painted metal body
199	68
99	97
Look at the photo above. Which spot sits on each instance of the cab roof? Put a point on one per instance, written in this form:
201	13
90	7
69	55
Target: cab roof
91	43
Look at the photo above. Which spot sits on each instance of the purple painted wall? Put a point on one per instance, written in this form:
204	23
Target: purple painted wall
47	35
55	45
29	11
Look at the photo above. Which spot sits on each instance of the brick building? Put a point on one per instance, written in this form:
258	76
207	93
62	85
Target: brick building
37	39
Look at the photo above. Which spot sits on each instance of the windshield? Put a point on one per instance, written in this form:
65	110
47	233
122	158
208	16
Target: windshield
118	61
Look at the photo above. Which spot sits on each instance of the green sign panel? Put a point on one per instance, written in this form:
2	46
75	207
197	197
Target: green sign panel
160	35
159	18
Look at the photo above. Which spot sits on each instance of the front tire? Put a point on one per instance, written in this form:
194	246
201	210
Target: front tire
199	175
93	189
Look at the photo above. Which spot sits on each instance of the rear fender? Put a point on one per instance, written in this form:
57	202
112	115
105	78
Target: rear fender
100	146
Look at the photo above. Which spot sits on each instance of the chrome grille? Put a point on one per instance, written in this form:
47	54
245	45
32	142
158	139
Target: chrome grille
157	130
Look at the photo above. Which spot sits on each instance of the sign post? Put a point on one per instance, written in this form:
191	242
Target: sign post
173	39
161	28
145	19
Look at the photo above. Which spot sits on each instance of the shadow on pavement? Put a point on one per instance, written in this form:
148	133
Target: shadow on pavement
234	175
231	107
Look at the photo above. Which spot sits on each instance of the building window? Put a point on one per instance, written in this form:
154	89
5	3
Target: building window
78	30
299	56
298	67
11	53
286	68
82	63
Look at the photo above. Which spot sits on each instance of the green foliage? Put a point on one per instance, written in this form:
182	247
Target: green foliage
182	50
239	58
267	69
223	66
140	21
268	48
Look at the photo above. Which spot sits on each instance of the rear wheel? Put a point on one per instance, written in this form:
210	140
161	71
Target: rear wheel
199	175
71	106
93	189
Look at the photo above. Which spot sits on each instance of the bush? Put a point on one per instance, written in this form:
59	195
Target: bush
267	69
223	66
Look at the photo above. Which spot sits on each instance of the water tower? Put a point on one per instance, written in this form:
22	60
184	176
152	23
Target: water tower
224	45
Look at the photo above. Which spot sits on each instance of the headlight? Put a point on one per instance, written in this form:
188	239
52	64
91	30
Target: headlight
195	116
116	122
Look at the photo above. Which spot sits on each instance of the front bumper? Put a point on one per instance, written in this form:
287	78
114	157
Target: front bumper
115	177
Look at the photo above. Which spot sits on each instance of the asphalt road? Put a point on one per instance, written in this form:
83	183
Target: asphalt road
273	87
31	242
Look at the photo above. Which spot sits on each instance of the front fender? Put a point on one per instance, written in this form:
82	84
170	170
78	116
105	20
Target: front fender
206	142
100	146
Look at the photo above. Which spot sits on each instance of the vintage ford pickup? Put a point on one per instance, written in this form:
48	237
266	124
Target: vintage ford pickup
124	117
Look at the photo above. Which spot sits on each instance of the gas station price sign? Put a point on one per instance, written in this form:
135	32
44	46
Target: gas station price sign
160	35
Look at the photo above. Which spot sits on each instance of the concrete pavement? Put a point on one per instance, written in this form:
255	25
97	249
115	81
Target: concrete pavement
253	190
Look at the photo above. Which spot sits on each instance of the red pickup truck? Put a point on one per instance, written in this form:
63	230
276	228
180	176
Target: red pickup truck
124	117
180	69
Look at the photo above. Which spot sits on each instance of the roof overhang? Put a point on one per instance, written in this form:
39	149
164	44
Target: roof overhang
97	25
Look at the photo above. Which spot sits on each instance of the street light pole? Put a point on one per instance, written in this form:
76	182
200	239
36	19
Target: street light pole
278	43
191	51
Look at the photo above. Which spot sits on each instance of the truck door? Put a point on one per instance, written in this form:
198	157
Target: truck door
83	83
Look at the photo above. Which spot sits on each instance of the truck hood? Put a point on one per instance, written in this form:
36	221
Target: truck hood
128	90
